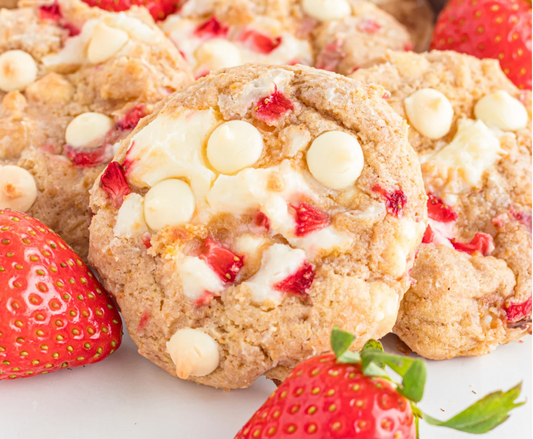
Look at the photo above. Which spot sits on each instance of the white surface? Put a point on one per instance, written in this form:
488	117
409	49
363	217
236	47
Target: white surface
127	397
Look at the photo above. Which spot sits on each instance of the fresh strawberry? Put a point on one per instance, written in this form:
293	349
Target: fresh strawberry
259	42
429	235
522	217
299	282
349	395
439	211
499	29
53	312
270	108
261	220
114	183
159	9
517	311
395	201
309	219
481	243
212	28
224	262
130	120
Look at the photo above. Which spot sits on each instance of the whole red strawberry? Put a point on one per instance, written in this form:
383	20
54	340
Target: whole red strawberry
53	312
322	398
348	395
499	29
159	9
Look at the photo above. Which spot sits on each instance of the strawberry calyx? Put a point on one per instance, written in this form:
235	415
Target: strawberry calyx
481	417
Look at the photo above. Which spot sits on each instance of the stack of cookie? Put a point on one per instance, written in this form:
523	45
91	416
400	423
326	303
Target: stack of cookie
246	198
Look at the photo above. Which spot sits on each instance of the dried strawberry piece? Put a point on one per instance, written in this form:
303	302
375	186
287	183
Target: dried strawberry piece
261	220
147	240
309	219
205	299
439	211
114	183
130	120
408	47
522	217
224	262
145	319
50	12
86	159
481	243
517	311
53	12
212	28
429	235
299	282
330	57
369	26
270	108
395	201
259	42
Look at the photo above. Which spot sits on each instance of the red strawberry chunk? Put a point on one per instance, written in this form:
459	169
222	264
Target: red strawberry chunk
53	312
130	120
212	28
429	235
145	319
481	243
395	201
159	9
222	261
205	299
517	311
299	282
309	219
522	217
114	183
330	57
439	211
369	26
259	42
52	12
270	108
90	158
261	220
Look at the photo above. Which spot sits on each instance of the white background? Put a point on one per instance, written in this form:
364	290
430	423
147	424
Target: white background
127	397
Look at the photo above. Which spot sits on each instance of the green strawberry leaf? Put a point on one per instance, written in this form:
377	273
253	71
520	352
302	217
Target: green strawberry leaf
349	357
483	415
340	341
398	364
413	381
374	370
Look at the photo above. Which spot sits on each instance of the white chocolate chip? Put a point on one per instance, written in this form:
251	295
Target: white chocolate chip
326	10
105	42
233	146
18	190
501	110
17	70
86	128
193	352
429	112
168	203
335	159
217	54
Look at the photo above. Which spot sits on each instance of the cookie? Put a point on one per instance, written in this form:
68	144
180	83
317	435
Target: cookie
252	213
472	130
338	36
74	81
8	4
416	15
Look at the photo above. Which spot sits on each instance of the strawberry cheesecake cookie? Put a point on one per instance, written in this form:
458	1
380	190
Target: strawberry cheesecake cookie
472	130
336	35
8	4
416	15
252	213
221	33
74	80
